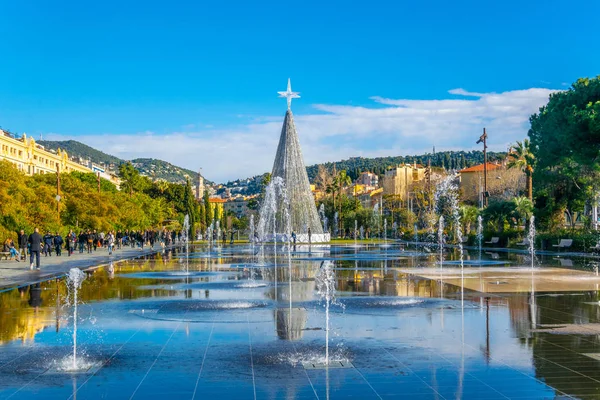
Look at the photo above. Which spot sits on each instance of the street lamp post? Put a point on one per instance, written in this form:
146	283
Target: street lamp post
483	139
58	191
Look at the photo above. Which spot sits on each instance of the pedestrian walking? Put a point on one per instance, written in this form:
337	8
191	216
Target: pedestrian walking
110	241
90	241
95	240
22	241
48	244
58	242
71	239
82	240
35	246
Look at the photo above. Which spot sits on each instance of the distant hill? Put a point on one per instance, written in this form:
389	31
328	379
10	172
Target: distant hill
153	168
158	169
78	149
451	160
163	170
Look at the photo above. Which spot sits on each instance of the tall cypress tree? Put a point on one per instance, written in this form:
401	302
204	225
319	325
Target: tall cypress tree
207	213
190	205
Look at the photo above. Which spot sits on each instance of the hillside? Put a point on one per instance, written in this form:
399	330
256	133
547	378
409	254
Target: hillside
452	160
153	168
163	170
78	149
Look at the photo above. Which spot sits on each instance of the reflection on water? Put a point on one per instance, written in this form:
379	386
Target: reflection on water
402	316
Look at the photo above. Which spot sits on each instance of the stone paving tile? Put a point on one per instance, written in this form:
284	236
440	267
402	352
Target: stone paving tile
17	273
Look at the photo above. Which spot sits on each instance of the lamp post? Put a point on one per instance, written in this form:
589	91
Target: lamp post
483	139
428	176
58	191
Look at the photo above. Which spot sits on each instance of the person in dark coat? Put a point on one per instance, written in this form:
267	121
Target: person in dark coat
71	240
95	239
89	237
35	295
35	246
58	242
48	244
82	238
22	242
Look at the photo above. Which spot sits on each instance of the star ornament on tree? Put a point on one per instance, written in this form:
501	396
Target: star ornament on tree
289	95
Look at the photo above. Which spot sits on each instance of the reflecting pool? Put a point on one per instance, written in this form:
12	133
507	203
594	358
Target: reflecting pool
258	322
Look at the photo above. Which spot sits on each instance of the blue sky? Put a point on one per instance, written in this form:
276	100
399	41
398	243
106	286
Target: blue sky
195	82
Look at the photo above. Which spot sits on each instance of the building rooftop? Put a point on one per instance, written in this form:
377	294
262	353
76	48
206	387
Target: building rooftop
479	168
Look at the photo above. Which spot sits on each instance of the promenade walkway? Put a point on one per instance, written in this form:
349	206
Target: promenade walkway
14	274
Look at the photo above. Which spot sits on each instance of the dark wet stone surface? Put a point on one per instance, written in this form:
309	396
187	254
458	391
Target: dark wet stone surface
239	325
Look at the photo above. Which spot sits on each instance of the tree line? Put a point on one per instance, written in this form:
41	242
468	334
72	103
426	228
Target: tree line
449	160
27	202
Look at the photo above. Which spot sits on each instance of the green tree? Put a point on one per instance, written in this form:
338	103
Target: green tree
27	202
468	217
208	215
130	178
523	208
498	213
342	180
565	140
190	207
521	157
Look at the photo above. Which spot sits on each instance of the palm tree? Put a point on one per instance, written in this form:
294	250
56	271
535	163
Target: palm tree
523	208
520	156
498	212
468	216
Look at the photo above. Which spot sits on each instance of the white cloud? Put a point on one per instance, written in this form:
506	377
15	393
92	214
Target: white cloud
463	92
390	127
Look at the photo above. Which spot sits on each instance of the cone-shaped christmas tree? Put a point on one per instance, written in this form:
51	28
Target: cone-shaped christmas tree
289	165
298	201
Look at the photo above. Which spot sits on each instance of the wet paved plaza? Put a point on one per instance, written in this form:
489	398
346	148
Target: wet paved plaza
243	324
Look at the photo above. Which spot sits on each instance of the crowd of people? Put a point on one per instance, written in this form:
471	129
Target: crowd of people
85	241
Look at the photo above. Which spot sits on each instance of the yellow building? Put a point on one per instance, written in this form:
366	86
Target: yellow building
31	158
397	181
471	181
